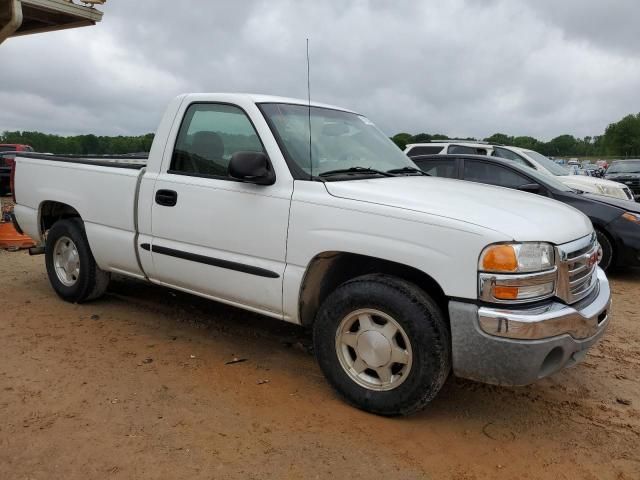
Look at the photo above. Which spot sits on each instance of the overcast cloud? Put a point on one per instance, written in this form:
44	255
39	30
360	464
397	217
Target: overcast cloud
473	67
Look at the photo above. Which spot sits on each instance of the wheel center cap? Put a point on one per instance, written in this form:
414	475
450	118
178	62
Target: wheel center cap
374	348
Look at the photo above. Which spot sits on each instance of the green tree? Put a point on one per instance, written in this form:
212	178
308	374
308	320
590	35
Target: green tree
401	140
623	137
562	145
80	144
526	142
502	138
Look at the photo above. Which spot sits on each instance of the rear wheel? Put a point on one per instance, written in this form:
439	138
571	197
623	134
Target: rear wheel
383	344
72	270
606	261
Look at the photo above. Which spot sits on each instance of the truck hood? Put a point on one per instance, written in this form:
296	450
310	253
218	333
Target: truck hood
519	216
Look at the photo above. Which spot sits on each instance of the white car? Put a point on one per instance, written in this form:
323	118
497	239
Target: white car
526	157
401	278
450	146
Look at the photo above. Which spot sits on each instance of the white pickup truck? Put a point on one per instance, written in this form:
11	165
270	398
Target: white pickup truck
309	214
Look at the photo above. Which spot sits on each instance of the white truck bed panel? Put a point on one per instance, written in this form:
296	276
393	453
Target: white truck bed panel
103	196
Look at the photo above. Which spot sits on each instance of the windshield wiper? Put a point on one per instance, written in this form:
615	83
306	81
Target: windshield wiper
408	170
340	171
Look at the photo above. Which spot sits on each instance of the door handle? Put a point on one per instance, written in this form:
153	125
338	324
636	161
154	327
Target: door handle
167	198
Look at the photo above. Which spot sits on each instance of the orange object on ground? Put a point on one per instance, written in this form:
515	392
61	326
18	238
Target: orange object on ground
10	238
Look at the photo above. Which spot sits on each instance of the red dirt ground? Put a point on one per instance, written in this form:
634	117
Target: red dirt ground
135	385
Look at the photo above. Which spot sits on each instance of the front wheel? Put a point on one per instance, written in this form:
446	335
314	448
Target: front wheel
72	270
606	261
383	344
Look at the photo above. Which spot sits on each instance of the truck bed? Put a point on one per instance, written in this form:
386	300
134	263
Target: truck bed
119	161
102	189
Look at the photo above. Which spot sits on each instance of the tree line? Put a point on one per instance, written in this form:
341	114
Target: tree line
620	139
80	144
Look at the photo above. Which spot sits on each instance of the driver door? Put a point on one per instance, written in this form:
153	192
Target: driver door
211	234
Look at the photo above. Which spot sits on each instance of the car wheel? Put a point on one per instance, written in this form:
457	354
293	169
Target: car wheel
72	270
383	344
606	261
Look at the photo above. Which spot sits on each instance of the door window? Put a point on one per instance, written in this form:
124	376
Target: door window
422	150
476	171
209	135
438	167
466	150
509	155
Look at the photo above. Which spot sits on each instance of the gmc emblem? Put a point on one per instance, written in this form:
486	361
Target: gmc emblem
592	260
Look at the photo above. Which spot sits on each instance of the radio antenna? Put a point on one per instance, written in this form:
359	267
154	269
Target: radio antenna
309	111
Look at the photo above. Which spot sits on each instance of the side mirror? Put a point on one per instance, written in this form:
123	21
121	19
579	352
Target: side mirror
252	167
530	187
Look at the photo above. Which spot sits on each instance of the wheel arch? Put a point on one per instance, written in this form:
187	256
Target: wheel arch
328	270
51	211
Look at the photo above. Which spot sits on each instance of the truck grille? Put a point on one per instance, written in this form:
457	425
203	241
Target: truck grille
577	263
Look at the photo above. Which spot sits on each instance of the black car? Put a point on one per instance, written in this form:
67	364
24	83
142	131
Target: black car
627	172
617	222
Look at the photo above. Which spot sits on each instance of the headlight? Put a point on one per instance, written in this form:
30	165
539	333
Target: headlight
517	272
517	257
612	191
632	217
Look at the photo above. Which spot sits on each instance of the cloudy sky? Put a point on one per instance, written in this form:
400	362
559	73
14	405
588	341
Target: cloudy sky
474	67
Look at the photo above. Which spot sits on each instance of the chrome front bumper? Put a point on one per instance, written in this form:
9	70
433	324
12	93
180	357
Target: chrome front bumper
518	347
581	320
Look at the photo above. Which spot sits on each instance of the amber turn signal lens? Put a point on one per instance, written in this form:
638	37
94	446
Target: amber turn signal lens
500	258
632	217
505	293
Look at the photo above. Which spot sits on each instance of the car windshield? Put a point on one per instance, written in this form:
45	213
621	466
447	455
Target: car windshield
548	164
625	167
341	142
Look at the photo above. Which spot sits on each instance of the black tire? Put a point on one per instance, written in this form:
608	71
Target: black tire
91	281
608	253
5	189
424	325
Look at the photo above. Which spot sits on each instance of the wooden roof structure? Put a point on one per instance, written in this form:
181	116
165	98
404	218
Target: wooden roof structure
25	17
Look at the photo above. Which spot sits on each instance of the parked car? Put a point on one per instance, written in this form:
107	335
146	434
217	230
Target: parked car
574	170
6	162
400	277
626	172
616	222
537	161
533	159
471	147
592	170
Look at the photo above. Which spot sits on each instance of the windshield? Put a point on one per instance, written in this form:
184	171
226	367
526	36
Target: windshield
339	140
624	167
548	164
